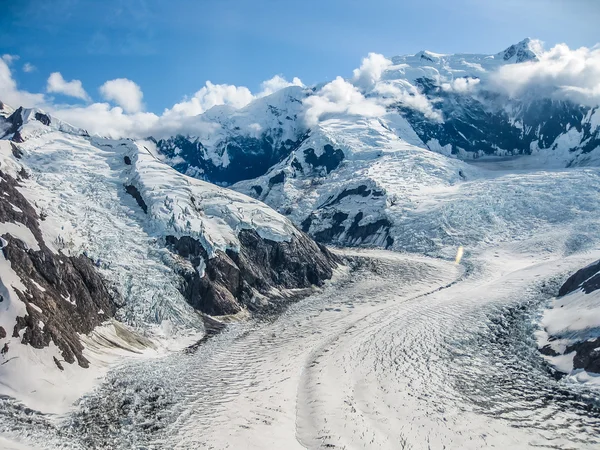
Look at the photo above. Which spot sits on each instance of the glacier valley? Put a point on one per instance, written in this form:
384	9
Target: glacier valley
294	278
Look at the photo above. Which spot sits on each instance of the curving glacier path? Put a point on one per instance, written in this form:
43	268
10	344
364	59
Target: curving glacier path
401	352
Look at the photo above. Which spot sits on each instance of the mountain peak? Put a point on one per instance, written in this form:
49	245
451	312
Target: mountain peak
526	50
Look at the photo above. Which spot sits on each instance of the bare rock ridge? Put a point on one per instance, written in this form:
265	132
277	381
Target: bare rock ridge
231	280
63	295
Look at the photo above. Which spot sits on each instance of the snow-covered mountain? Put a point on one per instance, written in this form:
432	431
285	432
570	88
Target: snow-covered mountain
348	177
234	145
107	249
449	101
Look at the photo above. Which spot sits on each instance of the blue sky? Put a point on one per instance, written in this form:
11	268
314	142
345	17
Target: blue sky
170	48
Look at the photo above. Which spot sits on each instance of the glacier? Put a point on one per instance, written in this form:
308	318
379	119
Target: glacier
382	339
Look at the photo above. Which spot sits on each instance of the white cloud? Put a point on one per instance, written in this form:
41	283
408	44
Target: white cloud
9	59
408	95
560	73
58	85
340	96
9	92
367	95
212	95
370	70
124	93
28	67
277	83
102	119
461	85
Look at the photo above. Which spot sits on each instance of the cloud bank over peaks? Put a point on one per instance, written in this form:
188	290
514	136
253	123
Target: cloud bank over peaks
212	95
367	94
370	71
277	83
561	73
340	96
377	87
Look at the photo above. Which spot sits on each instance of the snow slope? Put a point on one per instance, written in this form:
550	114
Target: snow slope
116	204
450	104
571	326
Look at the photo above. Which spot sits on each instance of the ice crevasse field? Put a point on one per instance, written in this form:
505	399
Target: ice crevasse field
438	326
406	350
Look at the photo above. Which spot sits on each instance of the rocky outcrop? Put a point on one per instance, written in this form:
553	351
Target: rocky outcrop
64	296
587	279
258	277
572	324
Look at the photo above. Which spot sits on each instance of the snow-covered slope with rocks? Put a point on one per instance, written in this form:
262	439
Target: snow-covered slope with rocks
107	250
232	144
350	161
571	326
452	104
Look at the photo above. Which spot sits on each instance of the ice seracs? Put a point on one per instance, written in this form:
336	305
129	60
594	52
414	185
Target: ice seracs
105	248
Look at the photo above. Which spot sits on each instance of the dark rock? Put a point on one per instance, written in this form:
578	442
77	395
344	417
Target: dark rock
257	189
330	159
333	232
5	349
58	364
18	138
548	351
135	193
587	355
587	279
472	125
16	151
297	166
61	277
306	223
43	118
127	160
231	279
249	157
2	333
277	179
362	233
362	191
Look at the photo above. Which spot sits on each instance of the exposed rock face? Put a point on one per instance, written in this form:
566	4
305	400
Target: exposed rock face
587	279
248	157
230	281
587	355
330	159
64	296
579	333
133	191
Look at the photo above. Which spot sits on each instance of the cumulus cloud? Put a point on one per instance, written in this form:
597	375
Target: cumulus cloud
58	85
28	67
461	85
102	119
340	96
124	93
277	83
367	94
560	73
407	95
212	95
11	94
370	70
